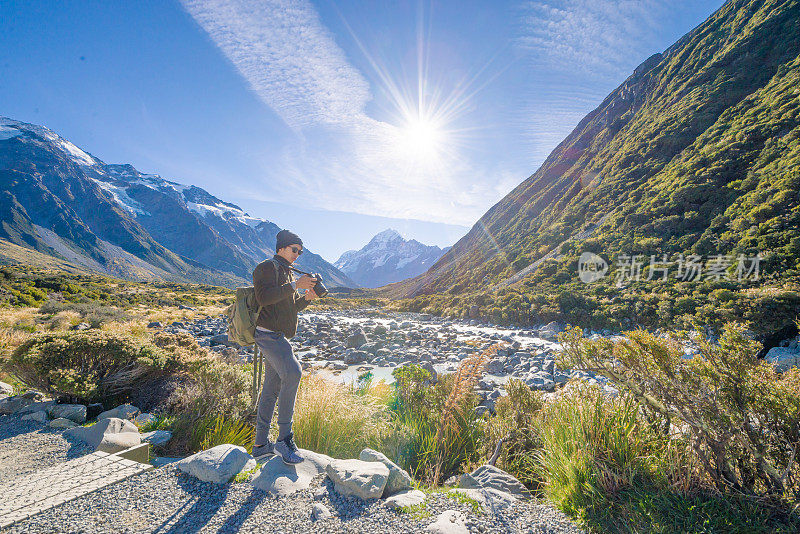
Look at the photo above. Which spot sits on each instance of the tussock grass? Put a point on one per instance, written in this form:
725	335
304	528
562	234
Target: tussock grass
337	420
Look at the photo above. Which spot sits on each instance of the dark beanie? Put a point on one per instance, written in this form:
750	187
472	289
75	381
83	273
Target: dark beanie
286	238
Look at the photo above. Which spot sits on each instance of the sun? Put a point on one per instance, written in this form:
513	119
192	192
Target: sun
421	138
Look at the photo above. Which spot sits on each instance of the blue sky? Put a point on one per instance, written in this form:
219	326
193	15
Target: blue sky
334	119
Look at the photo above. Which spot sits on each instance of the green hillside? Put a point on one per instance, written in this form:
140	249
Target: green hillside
697	152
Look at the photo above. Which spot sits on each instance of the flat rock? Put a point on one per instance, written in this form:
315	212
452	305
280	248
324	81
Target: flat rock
124	411
358	478
218	464
108	435
62	422
449	522
74	412
39	417
399	479
489	476
405	498
279	478
157	437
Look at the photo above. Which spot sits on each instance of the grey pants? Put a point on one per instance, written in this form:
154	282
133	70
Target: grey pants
281	380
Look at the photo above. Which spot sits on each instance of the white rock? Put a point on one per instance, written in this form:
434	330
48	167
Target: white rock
405	498
399	479
320	511
280	478
6	389
358	478
218	464
449	522
157	437
123	411
489	476
62	422
108	435
74	412
39	417
783	358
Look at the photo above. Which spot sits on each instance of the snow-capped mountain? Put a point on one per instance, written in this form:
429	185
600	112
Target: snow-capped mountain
63	201
387	258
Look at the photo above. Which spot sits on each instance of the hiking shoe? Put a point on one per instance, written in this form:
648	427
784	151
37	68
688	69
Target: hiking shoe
263	450
288	450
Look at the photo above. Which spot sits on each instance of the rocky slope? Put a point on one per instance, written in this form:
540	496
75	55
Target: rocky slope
387	258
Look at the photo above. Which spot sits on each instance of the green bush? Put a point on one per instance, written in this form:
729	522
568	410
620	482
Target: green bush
92	365
742	418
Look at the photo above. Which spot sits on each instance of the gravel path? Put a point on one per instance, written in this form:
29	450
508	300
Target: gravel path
167	500
27	446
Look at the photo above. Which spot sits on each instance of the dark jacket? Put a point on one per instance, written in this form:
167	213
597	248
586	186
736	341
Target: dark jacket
272	281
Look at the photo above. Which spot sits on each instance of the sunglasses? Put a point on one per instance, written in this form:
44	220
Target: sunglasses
296	250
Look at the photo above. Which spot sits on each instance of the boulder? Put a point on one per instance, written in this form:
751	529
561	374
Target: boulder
279	478
6	389
143	418
357	356
399	479
404	499
74	412
449	522
358	478
123	411
783	358
218	464
108	435
157	437
62	423
39	417
495	366
356	339
540	380
36	406
12	405
489	476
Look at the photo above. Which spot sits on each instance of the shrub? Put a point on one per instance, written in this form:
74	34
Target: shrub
338	420
92	365
223	430
741	417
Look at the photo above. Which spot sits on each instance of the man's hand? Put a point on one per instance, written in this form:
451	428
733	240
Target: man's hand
306	282
310	295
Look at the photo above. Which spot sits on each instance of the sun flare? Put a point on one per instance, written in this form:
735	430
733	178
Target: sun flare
421	138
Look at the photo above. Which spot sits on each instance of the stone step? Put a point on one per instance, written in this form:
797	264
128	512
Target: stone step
25	496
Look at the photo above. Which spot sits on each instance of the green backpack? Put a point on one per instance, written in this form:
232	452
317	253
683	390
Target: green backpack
242	316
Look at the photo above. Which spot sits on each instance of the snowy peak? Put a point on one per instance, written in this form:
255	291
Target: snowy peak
9	128
387	258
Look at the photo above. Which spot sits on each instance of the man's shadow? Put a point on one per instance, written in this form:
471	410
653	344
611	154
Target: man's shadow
207	499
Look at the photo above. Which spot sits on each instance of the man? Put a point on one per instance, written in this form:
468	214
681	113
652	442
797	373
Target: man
276	291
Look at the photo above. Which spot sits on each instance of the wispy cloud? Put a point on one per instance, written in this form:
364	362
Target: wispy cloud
288	57
342	158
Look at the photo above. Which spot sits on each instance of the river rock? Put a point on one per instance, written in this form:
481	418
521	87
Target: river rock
356	339
74	412
404	499
218	464
123	411
399	479
783	358
279	478
489	476
358	478
108	435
